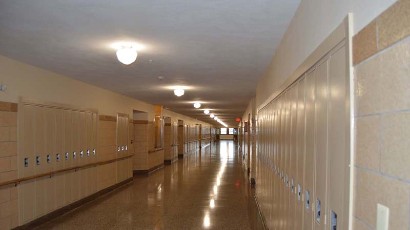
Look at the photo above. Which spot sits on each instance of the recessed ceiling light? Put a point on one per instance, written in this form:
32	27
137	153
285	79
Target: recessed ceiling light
206	111
212	115
179	92
197	105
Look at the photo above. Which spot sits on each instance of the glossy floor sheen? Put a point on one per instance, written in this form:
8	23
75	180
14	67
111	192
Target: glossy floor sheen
205	190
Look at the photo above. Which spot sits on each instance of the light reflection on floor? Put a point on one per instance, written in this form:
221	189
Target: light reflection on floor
207	189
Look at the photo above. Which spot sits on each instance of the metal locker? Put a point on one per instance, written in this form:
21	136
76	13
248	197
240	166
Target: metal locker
292	156
339	141
40	167
26	190
49	160
59	159
300	153
321	128
310	151
68	149
94	139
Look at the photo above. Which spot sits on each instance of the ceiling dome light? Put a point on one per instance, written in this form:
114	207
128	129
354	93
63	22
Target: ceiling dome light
127	54
212	115
206	111
179	92
197	105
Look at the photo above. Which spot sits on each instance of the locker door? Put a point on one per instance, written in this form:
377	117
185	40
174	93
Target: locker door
75	176
310	151
59	185
339	137
26	190
49	160
300	152
287	160
292	157
321	102
40	167
68	150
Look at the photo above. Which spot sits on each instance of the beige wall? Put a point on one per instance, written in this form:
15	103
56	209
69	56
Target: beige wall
382	121
313	22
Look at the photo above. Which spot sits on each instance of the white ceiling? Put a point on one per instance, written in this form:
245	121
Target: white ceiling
217	47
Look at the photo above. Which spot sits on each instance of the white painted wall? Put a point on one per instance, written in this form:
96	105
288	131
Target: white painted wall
313	22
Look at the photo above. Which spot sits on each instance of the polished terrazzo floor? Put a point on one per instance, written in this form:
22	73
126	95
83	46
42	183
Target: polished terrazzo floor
207	189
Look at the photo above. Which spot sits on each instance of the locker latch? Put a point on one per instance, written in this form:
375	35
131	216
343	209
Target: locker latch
81	153
66	156
88	152
26	162
48	159
318	206
74	155
37	160
58	157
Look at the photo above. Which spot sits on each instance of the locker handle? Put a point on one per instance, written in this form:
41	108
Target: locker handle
74	155
58	157
94	152
307	199
66	156
81	153
88	152
118	149
122	148
48	159
318	207
26	162
37	160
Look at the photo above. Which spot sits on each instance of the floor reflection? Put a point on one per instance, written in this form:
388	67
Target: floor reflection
207	189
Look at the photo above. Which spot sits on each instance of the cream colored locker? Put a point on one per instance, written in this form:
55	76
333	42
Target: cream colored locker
321	105
286	210
75	176
59	185
300	153
309	194
26	190
40	164
292	156
339	138
88	152
49	160
68	150
94	152
82	153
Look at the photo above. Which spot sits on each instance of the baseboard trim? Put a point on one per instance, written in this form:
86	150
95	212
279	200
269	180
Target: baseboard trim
61	211
169	162
148	171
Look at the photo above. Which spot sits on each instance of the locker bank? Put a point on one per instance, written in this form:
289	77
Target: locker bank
282	115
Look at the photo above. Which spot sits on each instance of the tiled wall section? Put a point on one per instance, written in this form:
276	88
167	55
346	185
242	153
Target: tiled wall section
382	88
8	165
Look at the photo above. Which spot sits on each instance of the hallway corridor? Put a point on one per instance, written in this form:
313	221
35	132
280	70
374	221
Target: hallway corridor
207	189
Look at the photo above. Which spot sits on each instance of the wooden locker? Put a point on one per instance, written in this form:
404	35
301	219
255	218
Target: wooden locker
339	141
321	128
300	153
309	195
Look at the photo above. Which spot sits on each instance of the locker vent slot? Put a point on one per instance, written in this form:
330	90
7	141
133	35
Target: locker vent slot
299	192
307	199
333	221
318	206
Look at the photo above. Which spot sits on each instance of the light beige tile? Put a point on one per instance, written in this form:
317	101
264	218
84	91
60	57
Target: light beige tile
4	133
382	81
394	24
8	149
372	189
395	152
368	142
8	118
359	225
365	43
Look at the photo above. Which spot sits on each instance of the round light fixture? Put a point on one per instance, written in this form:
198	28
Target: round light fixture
197	105
127	54
179	92
215	118
212	115
206	111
